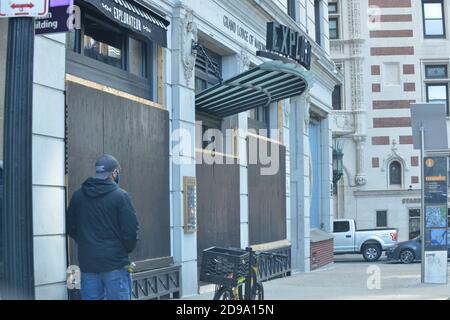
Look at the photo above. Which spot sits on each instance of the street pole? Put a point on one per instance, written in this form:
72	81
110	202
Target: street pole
17	205
422	210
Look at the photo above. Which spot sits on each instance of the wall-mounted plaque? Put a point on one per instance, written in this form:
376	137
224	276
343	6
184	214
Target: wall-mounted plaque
190	204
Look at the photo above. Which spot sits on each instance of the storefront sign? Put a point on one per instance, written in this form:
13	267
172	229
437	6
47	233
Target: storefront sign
23	8
190	204
288	43
135	17
243	33
60	18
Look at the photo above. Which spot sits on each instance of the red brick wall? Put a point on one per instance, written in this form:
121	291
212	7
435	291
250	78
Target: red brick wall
392	51
392	18
391	34
409	69
390	3
391	122
380	141
321	254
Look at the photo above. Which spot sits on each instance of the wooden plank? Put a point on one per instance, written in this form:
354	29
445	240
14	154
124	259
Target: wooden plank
271	245
161	78
84	140
115	92
152	264
218	201
139	137
267	201
100	122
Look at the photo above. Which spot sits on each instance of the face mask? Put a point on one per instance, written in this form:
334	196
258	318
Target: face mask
117	179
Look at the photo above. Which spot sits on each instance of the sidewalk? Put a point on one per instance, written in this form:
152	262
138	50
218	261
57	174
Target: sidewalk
349	281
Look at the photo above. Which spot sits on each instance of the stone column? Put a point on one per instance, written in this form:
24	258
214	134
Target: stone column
357	87
182	156
300	184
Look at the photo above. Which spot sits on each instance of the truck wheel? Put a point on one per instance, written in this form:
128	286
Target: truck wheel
371	252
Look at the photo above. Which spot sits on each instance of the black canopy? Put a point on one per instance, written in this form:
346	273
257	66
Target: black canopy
135	17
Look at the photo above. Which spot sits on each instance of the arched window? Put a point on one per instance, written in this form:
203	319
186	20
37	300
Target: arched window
395	173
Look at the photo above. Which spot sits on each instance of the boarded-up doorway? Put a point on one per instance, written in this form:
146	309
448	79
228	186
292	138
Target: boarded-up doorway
138	136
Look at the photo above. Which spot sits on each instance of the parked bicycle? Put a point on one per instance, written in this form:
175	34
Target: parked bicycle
235	272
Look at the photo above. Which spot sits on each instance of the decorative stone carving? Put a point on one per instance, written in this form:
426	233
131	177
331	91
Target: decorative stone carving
343	122
360	178
307	111
394	155
286	115
244	61
354	10
189	36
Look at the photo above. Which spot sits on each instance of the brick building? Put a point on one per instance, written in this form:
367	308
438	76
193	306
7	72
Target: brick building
392	53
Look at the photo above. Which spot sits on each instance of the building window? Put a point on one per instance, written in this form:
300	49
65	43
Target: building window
437	93
137	63
433	19
337	98
436	72
262	117
103	43
414	223
436	84
395	173
291	9
382	219
208	69
112	55
318	21
333	20
208	73
334	28
332	7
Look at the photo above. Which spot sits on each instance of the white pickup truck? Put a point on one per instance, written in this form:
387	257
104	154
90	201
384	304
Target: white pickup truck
370	243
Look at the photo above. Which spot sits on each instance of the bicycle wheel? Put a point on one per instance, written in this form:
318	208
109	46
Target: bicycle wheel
258	292
223	293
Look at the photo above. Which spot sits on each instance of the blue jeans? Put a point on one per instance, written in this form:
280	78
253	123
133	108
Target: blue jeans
114	285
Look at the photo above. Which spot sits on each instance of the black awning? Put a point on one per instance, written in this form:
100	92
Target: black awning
135	17
271	81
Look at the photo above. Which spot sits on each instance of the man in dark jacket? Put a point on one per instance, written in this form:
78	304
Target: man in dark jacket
102	220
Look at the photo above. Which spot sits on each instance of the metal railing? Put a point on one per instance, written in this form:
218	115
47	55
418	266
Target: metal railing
271	267
164	283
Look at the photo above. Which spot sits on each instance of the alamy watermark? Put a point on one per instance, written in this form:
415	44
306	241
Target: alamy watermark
374	279
216	147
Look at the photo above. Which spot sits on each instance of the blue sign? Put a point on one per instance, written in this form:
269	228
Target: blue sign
59	19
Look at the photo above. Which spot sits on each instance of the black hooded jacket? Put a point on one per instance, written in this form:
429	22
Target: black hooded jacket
102	220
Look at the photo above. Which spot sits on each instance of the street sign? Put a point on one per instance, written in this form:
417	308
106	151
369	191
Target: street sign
23	8
435	221
59	19
433	118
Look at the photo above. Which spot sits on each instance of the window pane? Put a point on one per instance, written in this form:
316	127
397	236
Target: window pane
102	43
200	85
436	72
334	33
332	7
433	11
337	105
437	93
381	219
434	27
395	173
138	58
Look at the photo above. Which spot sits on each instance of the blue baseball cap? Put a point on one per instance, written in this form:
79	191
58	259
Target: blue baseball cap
105	166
